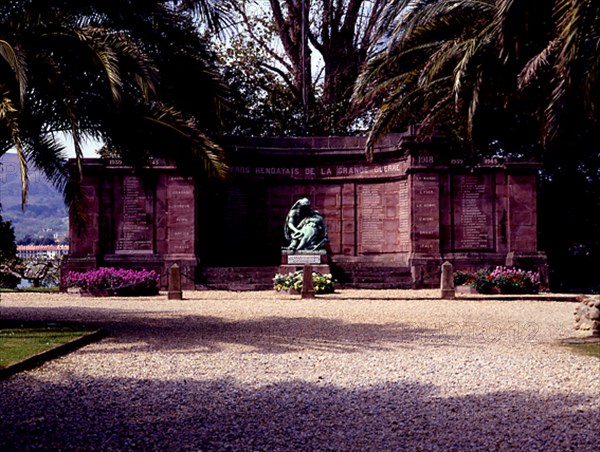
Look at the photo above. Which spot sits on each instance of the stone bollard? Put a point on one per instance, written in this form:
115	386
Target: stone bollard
447	281
175	292
308	291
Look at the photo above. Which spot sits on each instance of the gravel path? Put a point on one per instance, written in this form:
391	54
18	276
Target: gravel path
356	370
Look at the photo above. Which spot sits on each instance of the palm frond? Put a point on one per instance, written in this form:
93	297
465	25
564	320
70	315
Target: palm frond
202	148
469	49
107	58
427	125
537	64
48	155
9	115
133	58
216	14
474	104
578	24
17	64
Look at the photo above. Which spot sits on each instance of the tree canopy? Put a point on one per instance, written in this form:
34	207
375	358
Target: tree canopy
132	73
487	71
316	48
8	253
258	102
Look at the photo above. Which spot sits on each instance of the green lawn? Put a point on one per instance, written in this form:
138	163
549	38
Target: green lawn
589	348
20	340
32	289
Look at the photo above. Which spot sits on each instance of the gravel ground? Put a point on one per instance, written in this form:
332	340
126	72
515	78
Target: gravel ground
355	370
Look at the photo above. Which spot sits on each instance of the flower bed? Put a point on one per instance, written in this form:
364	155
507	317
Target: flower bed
114	281
500	279
322	283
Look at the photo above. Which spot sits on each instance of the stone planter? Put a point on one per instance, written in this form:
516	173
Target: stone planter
470	290
467	290
90	292
516	291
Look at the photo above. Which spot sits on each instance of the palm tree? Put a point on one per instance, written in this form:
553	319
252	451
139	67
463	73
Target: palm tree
105	70
567	57
512	76
431	71
456	66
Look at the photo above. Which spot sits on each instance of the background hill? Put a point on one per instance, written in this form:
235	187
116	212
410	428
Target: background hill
45	215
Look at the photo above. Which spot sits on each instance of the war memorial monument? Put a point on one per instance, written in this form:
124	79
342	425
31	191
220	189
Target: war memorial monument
386	223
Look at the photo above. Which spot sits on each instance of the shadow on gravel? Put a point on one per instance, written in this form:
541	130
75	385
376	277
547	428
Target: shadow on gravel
164	331
264	335
128	414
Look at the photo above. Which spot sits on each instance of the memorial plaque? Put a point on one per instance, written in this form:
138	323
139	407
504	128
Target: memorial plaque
181	223
378	218
473	212
329	204
370	217
135	229
426	213
404	214
303	259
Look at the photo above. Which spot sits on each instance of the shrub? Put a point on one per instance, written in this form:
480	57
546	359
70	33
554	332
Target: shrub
514	280
9	278
507	280
286	282
322	283
464	278
126	282
483	282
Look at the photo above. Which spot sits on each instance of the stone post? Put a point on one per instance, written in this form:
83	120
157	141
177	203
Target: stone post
447	281
175	292
308	291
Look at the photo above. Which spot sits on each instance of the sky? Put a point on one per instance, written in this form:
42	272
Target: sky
89	146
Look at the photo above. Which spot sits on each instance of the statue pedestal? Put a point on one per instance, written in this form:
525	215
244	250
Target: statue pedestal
292	261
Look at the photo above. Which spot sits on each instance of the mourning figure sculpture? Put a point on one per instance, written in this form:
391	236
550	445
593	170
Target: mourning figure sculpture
305	228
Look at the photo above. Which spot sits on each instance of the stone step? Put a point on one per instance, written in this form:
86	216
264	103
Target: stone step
373	276
359	276
377	286
235	287
236	278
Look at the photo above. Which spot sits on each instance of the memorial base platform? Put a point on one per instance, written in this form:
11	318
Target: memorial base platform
292	261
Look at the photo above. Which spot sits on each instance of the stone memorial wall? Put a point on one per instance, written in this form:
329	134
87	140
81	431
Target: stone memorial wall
407	211
146	220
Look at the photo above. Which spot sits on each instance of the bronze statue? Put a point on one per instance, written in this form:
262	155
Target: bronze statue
305	227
